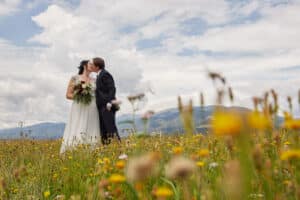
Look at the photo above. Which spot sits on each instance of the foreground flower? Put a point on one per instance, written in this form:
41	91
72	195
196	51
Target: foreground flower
47	194
293	124
120	164
180	168
200	163
203	152
117	178
177	150
163	192
290	154
226	123
259	121
123	157
140	168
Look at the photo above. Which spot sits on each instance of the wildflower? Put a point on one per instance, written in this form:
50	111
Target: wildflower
106	160
123	157
259	121
290	154
226	123
256	102
54	176
146	116
117	178
200	163
163	192
213	165
180	167
186	113
293	124
203	152
47	194
141	167
138	186
177	150
120	164
287	143
133	98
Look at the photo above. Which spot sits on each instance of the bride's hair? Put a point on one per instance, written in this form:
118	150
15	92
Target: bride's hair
81	67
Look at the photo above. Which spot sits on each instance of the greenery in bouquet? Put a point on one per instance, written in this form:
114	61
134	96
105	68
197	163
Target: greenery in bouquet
83	93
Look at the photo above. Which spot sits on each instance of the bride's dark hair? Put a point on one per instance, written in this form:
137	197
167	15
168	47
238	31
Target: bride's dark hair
81	67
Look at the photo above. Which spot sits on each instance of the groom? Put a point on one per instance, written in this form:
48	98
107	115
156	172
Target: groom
105	93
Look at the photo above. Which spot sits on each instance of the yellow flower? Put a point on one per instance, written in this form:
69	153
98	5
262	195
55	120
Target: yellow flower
258	120
55	176
163	192
290	154
287	116
287	143
203	152
200	164
106	160
177	150
100	161
117	178
293	124
47	194
120	164
226	123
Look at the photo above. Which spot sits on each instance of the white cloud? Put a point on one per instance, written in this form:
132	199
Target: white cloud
8	7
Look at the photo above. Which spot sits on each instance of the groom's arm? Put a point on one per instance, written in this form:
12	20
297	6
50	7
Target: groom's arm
111	89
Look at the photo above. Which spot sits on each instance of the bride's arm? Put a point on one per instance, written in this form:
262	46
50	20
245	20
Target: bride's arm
70	89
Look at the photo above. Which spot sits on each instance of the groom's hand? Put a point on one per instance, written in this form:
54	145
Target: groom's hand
108	106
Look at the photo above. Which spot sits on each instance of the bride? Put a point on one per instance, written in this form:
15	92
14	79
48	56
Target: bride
83	125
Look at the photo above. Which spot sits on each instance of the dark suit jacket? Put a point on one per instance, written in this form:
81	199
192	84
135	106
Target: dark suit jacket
106	90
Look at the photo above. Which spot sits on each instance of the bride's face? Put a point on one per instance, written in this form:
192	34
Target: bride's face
90	66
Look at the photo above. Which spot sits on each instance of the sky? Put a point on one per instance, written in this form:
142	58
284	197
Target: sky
167	46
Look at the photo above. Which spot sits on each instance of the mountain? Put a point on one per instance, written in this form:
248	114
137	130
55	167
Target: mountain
167	121
37	131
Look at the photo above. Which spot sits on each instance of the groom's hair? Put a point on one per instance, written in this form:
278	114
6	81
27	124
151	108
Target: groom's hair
99	62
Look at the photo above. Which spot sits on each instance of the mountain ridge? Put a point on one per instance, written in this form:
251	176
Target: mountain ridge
166	121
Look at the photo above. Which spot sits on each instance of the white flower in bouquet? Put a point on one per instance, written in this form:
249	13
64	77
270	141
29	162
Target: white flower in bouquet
83	93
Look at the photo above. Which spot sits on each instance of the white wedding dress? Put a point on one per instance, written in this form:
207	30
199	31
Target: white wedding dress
83	126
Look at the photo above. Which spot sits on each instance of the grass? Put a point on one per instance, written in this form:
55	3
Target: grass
225	168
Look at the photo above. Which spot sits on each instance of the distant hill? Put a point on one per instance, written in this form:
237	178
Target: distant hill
167	121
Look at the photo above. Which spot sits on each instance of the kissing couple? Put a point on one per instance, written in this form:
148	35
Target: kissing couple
93	112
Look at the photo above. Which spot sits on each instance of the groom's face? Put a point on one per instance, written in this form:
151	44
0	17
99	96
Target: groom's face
92	67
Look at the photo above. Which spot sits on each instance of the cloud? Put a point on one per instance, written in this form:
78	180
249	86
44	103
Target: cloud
167	45
8	7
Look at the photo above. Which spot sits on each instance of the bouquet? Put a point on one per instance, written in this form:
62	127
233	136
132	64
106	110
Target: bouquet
83	93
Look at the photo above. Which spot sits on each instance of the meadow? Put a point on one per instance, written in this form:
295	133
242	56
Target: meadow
243	156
